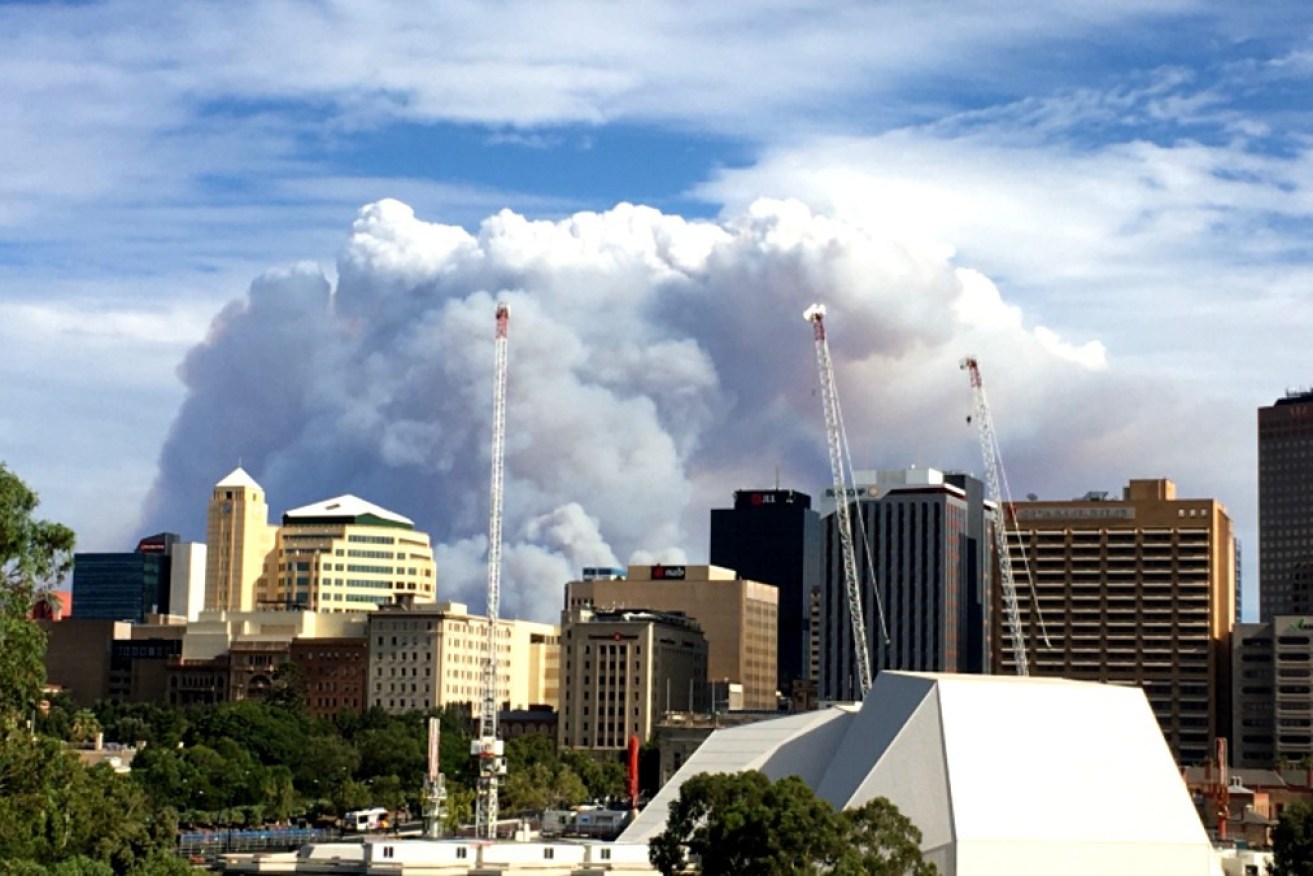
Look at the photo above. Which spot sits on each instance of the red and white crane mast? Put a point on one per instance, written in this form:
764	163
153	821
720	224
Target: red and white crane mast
993	482
834	436
488	749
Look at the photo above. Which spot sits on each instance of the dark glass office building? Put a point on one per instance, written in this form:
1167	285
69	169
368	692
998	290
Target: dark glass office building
920	541
1285	507
124	587
774	536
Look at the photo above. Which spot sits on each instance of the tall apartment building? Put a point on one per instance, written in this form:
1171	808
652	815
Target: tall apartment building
429	656
346	554
924	532
1285	507
739	617
1138	590
239	538
774	536
623	671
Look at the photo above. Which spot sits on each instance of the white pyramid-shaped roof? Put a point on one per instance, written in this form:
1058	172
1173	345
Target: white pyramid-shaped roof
346	506
238	478
1000	774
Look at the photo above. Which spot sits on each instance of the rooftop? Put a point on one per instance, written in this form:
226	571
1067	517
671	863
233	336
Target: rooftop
349	509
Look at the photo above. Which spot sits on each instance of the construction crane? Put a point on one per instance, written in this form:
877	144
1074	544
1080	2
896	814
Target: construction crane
488	749
838	447
995	482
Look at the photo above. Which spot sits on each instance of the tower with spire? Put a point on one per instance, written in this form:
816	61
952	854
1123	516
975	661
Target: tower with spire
239	537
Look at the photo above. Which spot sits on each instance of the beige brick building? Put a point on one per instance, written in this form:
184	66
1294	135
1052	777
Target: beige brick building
238	539
430	656
346	554
340	555
625	670
737	616
1137	590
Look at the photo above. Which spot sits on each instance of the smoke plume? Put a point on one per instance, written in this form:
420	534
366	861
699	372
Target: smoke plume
657	364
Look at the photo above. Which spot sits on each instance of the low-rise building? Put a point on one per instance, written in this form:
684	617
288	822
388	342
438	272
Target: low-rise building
430	656
738	617
332	673
623	670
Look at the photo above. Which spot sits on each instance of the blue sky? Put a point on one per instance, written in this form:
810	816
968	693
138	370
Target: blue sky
1132	176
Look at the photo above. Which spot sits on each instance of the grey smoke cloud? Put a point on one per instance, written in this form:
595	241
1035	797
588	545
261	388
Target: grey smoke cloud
656	365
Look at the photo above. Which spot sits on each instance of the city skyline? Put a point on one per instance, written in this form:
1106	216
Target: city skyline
1105	202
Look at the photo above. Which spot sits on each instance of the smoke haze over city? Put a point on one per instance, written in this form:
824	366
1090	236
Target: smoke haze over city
657	364
274	236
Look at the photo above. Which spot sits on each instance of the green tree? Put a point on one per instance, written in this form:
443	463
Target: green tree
542	786
279	793
396	750
879	839
602	778
742	823
288	688
33	553
85	727
1292	841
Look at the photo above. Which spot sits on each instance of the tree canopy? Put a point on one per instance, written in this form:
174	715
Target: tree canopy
1292	841
34	554
742	823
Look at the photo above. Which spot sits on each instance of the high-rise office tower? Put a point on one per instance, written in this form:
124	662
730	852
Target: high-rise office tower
774	536
239	538
918	546
1137	590
156	578
1285	507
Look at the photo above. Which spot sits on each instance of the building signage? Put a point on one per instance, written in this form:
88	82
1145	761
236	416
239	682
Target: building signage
1069	513
667	573
855	492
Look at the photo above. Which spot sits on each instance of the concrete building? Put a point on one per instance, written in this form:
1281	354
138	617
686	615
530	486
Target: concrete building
1285	507
239	538
925	532
739	617
1272	672
774	536
187	579
78	655
625	669
139	666
1138	590
346	554
160	577
235	655
215	632
1000	774
430	656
